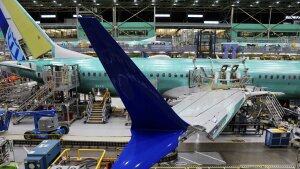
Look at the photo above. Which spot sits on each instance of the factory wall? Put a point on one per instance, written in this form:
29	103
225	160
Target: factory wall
127	30
242	32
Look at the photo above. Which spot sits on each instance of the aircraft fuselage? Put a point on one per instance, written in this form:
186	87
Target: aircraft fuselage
166	74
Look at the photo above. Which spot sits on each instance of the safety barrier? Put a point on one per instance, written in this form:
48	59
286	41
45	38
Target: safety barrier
65	155
102	151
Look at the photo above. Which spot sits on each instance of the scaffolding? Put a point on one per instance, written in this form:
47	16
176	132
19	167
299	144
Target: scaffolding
63	81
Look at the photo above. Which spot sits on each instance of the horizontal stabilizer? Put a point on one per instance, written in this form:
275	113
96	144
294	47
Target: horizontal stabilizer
152	118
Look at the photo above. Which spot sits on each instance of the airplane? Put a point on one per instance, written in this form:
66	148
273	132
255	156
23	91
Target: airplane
83	43
157	129
173	78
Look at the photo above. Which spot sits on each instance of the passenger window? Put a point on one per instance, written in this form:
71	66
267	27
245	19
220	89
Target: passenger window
283	77
163	75
290	77
94	74
89	74
99	74
295	77
105	74
151	75
83	74
175	75
187	75
157	75
266	76
271	77
259	76
277	76
181	75
170	75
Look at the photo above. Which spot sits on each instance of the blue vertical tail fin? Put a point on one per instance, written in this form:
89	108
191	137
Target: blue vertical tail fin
155	126
13	45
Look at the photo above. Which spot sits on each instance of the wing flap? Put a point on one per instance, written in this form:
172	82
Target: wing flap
212	110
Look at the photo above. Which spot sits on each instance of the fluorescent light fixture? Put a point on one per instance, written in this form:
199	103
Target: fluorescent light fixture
48	16
195	16
163	15
211	22
76	16
292	17
38	22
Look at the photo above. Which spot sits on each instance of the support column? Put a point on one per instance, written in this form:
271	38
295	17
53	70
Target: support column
77	22
269	28
114	24
154	18
231	22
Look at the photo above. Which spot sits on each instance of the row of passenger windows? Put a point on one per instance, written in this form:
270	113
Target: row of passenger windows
169	75
94	74
290	77
151	74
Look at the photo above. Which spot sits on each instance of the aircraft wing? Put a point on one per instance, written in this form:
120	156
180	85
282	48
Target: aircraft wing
211	109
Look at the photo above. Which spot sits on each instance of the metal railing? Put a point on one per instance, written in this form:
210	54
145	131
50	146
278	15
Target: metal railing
89	106
275	109
102	151
231	83
65	156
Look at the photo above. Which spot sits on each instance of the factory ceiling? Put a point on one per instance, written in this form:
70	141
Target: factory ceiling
176	4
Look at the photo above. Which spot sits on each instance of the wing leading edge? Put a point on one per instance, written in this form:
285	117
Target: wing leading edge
155	126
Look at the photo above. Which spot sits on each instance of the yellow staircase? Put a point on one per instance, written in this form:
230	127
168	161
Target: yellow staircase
97	114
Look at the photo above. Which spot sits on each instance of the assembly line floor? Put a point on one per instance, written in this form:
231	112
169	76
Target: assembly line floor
198	149
222	154
116	131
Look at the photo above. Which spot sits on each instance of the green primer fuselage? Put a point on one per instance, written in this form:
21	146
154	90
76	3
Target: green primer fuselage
276	76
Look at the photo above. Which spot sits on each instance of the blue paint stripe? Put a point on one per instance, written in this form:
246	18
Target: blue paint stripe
3	23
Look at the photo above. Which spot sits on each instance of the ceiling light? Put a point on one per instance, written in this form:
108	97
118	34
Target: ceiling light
48	16
163	15
76	16
211	22
195	16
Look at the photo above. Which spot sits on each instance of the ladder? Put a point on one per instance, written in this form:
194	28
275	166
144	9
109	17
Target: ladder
97	113
33	102
275	109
